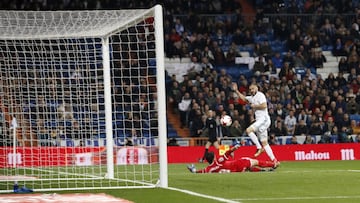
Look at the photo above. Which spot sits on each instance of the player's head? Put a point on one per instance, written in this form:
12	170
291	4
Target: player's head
253	88
209	157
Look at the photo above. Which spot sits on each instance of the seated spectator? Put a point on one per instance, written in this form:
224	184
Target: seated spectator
237	37
219	56
352	107
325	138
290	122
293	140
197	125
343	65
317	59
230	57
299	60
172	142
269	67
338	48
353	59
265	49
301	128
248	39
315	128
273	140
344	135
277	60
355	127
235	129
309	140
293	42
259	66
329	124
279	129
193	67
352	75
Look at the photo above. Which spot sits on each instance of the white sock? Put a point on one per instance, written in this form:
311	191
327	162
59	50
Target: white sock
269	152
255	140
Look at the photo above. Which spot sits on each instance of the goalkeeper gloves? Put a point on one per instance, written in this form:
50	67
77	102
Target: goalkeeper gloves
191	168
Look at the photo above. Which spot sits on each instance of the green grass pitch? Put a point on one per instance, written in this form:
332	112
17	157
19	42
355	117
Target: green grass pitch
309	181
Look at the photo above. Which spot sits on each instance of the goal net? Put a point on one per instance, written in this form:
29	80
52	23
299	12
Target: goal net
82	99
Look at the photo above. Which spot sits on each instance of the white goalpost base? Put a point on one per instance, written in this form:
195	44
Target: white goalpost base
87	90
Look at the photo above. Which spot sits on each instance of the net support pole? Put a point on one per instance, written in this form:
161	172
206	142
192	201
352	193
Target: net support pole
108	110
14	126
160	77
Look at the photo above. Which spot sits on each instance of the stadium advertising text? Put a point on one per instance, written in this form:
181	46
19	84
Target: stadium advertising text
86	156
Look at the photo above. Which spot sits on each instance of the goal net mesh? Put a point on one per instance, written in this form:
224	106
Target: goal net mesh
53	99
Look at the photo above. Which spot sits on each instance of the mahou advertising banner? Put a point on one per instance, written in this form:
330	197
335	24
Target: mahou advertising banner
86	156
349	151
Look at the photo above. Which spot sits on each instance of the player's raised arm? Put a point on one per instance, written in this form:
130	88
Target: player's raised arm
236	90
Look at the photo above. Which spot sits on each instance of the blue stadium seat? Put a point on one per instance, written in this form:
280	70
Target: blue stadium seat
70	143
334	139
150	141
355	117
288	140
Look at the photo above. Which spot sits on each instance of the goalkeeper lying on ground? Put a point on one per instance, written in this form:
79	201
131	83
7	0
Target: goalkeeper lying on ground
225	164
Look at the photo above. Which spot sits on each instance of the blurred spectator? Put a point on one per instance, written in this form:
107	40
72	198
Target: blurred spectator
184	109
344	135
317	58
197	125
273	140
339	49
355	127
278	129
325	138
294	140
301	128
309	140
235	129
290	122
343	65
172	142
352	107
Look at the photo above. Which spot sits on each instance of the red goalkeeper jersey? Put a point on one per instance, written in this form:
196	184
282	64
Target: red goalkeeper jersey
226	164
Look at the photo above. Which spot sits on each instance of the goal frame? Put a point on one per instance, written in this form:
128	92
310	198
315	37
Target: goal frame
160	78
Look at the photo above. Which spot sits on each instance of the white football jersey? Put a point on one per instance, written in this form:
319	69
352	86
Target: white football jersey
257	99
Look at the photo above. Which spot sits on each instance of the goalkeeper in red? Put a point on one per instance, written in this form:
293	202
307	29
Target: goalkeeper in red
226	164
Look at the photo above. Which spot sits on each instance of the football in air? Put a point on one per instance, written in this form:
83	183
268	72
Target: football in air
226	120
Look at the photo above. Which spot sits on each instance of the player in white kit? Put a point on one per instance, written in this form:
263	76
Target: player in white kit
258	103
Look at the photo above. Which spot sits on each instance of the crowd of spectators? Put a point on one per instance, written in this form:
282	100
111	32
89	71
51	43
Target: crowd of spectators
299	104
303	104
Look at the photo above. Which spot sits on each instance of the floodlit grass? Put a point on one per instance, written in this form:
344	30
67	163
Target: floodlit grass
311	181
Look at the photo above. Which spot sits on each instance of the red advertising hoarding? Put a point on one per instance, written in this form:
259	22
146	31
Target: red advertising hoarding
348	151
62	156
79	156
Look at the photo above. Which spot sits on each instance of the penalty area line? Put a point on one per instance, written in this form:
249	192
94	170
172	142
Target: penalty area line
220	199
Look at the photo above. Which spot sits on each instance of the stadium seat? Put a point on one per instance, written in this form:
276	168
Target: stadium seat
334	139
149	141
355	117
70	143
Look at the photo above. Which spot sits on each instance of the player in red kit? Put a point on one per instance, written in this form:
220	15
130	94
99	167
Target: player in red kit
226	164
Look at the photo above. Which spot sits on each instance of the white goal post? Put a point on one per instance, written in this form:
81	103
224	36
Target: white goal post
82	100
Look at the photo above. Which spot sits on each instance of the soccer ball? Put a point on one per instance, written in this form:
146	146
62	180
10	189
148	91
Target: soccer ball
226	120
